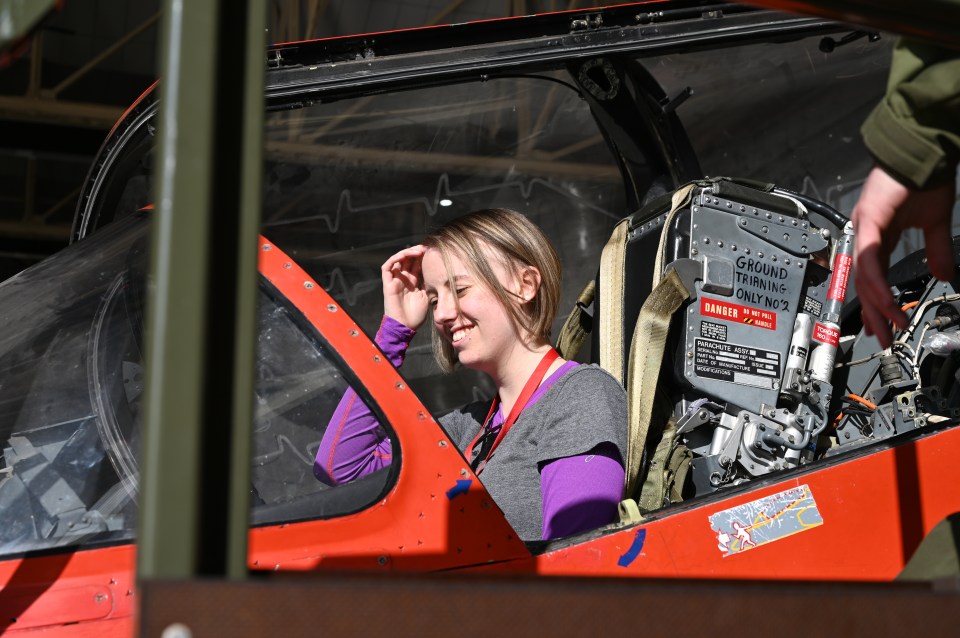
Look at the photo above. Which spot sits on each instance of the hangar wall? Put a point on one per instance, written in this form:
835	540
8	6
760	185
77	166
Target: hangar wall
91	60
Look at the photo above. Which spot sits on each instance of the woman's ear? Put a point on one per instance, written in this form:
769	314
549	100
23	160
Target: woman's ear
529	280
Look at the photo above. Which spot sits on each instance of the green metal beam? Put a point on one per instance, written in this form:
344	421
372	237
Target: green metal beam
202	315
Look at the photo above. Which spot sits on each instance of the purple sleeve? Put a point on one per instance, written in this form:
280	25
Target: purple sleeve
354	445
581	492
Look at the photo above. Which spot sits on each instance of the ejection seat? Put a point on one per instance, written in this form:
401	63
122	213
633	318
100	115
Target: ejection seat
645	276
608	311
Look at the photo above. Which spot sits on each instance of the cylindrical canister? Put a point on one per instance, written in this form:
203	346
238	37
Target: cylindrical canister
800	342
824	342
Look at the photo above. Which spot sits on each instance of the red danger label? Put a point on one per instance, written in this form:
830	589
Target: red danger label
841	275
826	334
738	314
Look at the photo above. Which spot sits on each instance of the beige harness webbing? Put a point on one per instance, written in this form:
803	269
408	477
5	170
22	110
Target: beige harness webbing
646	356
573	333
612	291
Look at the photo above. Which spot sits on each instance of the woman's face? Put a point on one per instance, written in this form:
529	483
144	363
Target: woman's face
482	332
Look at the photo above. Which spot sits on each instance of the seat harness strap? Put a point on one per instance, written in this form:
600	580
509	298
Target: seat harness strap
579	323
679	200
646	356
612	290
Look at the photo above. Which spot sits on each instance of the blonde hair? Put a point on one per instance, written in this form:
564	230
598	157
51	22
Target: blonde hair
519	244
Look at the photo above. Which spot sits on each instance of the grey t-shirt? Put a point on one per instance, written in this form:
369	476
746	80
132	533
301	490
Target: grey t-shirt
584	408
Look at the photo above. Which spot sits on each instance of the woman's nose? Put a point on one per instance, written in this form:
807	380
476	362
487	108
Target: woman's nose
445	310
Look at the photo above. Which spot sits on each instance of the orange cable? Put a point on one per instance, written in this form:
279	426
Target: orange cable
862	401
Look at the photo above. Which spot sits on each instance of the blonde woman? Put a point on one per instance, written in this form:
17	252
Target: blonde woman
550	446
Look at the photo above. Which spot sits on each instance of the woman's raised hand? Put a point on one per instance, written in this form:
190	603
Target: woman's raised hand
403	296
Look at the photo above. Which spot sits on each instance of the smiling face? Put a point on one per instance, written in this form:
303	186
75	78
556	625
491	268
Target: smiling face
505	254
467	314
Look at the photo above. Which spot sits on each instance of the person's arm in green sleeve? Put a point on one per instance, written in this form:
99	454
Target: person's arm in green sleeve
914	135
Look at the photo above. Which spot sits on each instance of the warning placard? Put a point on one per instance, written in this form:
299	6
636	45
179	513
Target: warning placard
737	313
736	364
812	307
826	334
841	276
715	331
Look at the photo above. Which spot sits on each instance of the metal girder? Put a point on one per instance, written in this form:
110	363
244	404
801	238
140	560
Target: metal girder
32	230
99	116
545	164
195	481
103	55
40	106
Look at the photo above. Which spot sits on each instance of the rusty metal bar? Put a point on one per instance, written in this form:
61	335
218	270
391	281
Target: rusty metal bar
36	65
59	111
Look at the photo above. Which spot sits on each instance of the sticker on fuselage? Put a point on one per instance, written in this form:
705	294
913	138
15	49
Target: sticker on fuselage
765	520
737	313
737	364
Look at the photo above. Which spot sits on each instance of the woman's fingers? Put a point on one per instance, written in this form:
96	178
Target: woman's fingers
409	256
403	296
404	267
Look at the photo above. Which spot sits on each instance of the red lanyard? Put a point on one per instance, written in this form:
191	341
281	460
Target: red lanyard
531	386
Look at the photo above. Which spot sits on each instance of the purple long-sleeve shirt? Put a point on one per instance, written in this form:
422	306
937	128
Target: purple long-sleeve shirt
579	492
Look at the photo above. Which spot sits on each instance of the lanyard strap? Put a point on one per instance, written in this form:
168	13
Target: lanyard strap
489	444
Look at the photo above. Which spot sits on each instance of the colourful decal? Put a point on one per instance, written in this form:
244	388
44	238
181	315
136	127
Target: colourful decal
462	487
738	314
841	275
635	548
826	334
765	520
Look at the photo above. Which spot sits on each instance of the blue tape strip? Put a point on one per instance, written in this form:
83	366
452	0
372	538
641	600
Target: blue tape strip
635	549
462	487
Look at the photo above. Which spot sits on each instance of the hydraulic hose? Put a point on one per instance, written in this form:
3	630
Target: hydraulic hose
835	217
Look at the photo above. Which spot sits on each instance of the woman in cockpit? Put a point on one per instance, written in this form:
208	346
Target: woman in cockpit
550	447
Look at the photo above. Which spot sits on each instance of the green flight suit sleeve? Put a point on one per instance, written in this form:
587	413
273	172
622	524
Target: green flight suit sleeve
914	133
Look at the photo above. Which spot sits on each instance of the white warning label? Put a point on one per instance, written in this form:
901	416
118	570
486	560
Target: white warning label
736	364
715	331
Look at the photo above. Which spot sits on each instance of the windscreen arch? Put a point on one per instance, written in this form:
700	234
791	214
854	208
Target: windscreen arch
71	396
